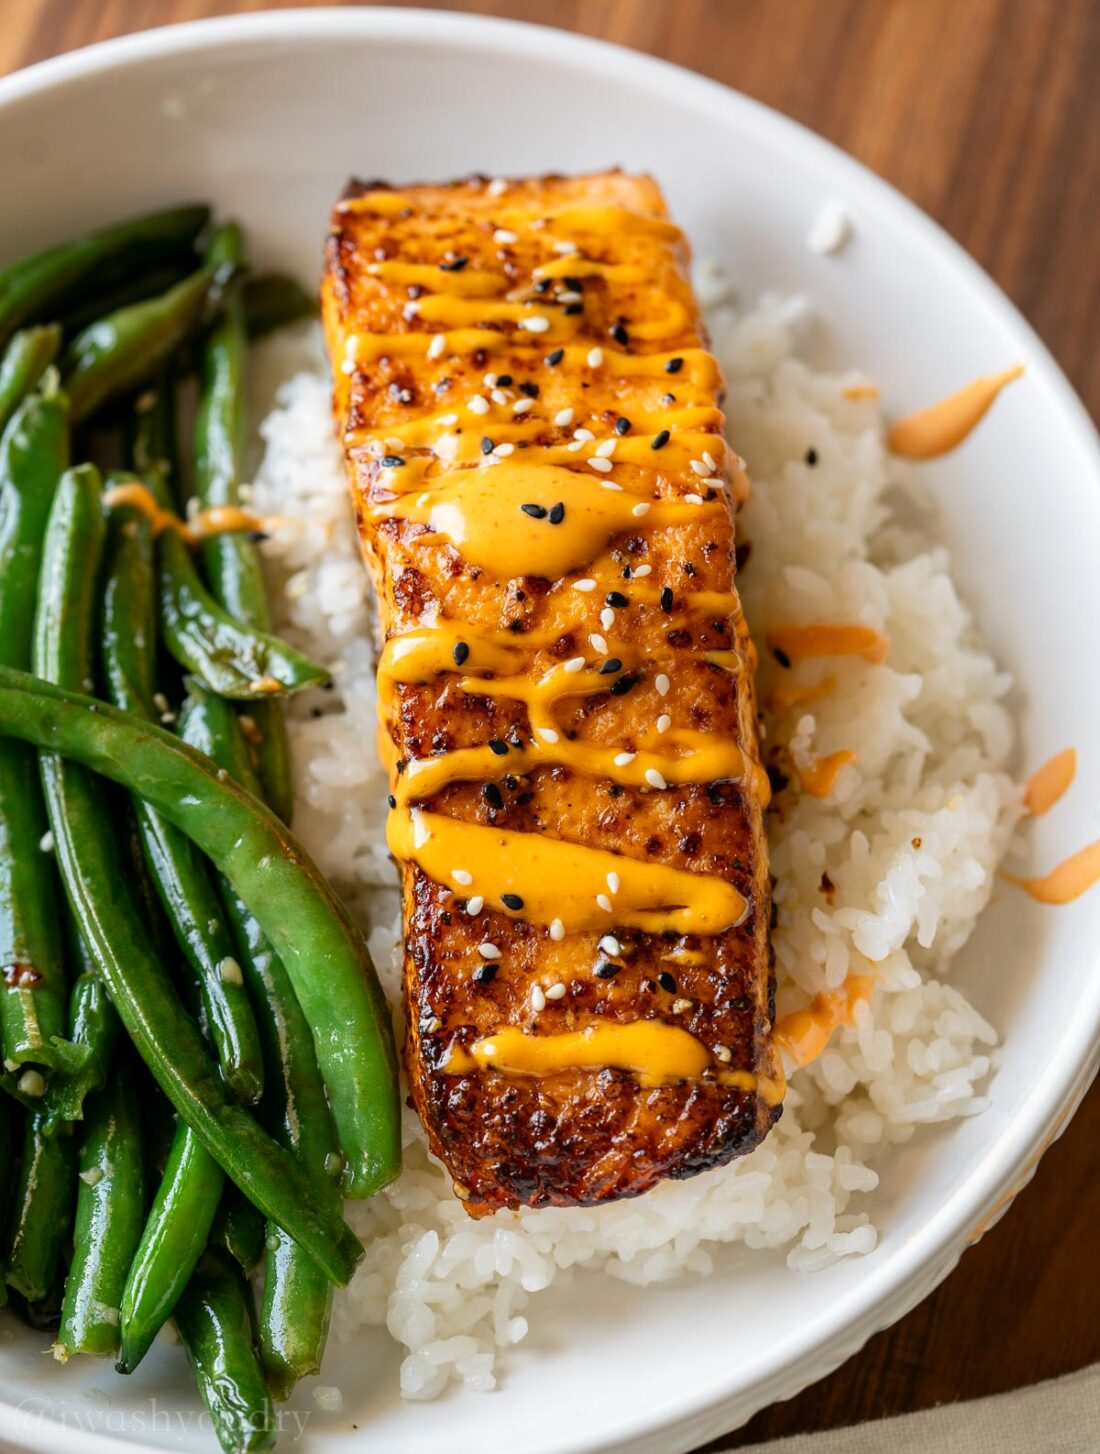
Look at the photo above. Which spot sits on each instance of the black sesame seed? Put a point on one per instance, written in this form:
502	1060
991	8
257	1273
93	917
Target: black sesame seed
575	285
512	901
617	599
543	285
392	461
811	457
460	653
557	513
455	265
622	685
492	795
666	981
485	973
689	569
503	381
391	800
660	440
781	656
536	512
555	358
666	599
622	425
500	748
257	535
620	335
487	445
606	970
674	365
572	309
668	398
611	666
531	389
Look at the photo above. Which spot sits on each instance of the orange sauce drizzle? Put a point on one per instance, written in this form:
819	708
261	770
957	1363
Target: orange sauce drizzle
204	525
804	1034
1073	877
1049	782
943	426
799	643
819	778
784	699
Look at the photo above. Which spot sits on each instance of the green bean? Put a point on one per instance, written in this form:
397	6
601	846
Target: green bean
45	283
273	301
175	1234
122	351
93	1023
310	929
231	561
42	1210
180	877
33	453
102	898
240	1230
146	283
110	1211
214	1318
297	1300
25	360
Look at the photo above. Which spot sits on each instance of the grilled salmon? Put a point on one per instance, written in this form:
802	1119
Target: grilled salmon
532	427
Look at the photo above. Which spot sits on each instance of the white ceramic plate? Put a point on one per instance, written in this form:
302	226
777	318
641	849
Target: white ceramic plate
266	116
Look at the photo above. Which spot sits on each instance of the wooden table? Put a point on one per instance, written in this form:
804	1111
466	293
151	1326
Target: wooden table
986	113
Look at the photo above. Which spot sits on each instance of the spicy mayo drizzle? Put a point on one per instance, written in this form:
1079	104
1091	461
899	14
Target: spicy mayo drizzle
943	426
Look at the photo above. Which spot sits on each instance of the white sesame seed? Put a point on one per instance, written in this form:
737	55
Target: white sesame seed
489	380
640	509
723	1053
664	722
479	405
475	905
604	902
347	366
229	971
93	1176
504	237
709	461
566	247
654	778
538	998
488	951
462	876
642	570
614	882
700	468
611	485
496	186
575	663
160	701
610	945
661	682
563	417
32	1083
557	929
502	451
521	406
556	991
681	1006
434	1025
45	843
538	324
447	420
577	444
607	618
622	758
598	643
716	482
583	434
595	357
694	499
570	295
438	345
588	584
602	466
498	396
547	734
607	448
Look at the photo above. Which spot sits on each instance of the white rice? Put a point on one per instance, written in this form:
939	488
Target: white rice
933	741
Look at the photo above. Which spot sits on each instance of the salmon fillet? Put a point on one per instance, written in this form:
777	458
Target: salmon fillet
533	433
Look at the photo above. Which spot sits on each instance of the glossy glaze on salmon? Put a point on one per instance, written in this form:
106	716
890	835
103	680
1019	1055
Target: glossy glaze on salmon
533	433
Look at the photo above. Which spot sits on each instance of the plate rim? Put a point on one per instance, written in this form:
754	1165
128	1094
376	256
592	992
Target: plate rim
913	1270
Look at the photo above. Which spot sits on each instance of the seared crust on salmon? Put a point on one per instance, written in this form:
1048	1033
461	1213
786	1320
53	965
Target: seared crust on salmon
533	434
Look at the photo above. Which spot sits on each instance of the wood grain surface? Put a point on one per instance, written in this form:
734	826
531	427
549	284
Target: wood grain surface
987	114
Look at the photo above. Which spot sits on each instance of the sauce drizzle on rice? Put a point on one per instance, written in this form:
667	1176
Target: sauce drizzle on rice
943	426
